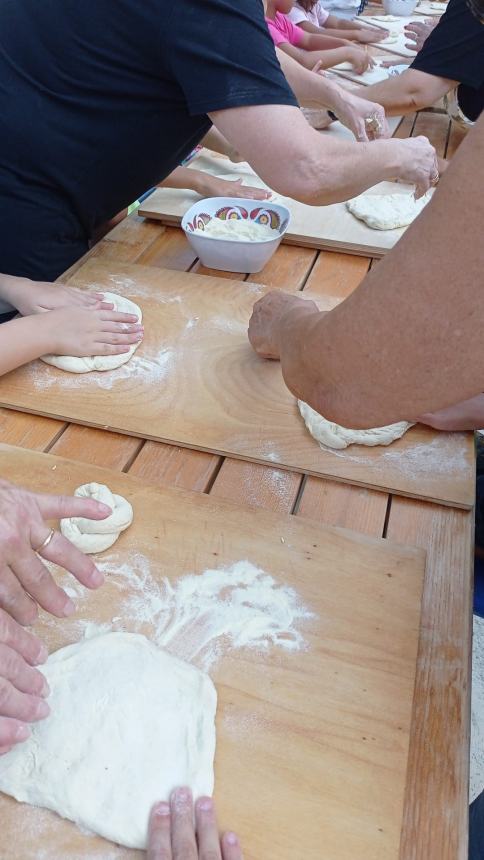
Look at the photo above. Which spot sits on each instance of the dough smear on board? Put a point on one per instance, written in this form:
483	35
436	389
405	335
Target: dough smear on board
128	724
98	535
74	364
330	435
387	211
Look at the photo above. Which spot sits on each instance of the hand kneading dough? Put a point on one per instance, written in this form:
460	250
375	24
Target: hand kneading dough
74	364
387	211
331	435
128	724
98	535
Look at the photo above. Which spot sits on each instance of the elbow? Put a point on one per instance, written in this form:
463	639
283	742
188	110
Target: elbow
419	99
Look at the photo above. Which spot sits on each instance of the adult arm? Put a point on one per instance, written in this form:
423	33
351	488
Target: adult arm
329	170
408	92
408	341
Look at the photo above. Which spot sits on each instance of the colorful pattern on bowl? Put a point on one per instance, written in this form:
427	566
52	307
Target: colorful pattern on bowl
261	215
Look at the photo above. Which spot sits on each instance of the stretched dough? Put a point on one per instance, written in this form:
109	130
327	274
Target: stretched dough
332	435
387	211
74	364
128	723
98	535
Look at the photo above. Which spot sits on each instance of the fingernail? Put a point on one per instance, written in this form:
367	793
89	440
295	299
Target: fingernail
97	578
205	804
161	809
42	710
231	839
182	795
68	608
45	688
104	509
42	654
22	733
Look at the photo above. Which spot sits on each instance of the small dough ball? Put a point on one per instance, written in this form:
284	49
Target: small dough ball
97	535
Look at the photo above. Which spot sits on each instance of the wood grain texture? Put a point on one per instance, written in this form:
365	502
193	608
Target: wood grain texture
311	745
169	466
28	431
436	811
340	505
95	447
196	382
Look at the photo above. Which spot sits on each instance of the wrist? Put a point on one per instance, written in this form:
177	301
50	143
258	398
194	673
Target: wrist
292	322
393	157
11	287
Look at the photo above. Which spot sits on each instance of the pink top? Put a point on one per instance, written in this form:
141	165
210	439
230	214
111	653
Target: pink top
317	16
283	30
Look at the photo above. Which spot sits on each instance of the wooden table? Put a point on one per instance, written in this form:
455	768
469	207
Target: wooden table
435	818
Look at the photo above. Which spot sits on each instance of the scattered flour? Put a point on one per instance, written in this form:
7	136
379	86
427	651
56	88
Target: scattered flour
155	367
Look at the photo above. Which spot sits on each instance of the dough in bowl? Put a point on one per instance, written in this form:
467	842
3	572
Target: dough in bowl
128	724
75	364
330	435
387	211
97	535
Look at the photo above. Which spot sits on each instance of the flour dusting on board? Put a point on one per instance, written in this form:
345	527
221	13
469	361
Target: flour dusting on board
199	615
439	456
154	367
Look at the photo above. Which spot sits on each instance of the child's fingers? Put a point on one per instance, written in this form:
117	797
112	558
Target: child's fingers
117	317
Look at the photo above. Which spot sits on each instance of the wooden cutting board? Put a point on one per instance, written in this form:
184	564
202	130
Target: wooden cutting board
425	8
330	228
398	47
196	382
311	744
373	76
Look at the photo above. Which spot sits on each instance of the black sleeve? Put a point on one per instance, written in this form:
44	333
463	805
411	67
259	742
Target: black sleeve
455	49
222	56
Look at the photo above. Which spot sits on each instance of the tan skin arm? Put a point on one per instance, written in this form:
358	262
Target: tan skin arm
352	32
327	58
410	91
408	341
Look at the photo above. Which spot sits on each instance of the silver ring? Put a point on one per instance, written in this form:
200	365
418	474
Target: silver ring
46	542
434	179
373	122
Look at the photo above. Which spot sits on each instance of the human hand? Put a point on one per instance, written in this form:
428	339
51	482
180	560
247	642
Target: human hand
24	536
353	112
22	688
216	187
267	315
80	332
368	35
418	31
360	59
467	415
418	164
33	297
173	835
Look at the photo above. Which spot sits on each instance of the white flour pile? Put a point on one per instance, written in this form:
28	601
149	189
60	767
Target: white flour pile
241	606
238	230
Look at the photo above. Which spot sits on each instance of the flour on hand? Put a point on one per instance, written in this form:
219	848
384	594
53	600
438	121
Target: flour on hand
74	364
330	435
387	211
128	724
97	535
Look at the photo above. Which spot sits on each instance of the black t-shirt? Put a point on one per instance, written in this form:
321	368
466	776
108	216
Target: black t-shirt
455	50
101	99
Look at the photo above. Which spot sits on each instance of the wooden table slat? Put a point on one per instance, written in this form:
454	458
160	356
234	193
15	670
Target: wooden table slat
341	505
168	465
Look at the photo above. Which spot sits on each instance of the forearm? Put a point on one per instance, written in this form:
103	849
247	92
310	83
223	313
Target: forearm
322	42
22	340
215	141
310	89
182	177
10	287
408	341
327	59
407	92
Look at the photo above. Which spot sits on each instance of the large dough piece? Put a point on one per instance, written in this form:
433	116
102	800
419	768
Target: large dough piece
128	724
97	535
330	435
74	364
387	211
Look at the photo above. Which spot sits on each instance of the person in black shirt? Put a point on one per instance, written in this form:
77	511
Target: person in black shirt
101	101
450	63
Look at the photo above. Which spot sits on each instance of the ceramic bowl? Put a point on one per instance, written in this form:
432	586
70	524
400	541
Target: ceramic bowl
402	8
229	254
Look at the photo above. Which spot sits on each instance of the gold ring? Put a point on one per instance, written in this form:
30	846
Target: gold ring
47	541
434	179
373	122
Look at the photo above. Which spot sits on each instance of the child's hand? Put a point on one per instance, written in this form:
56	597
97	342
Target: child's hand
83	331
215	187
360	60
34	297
371	34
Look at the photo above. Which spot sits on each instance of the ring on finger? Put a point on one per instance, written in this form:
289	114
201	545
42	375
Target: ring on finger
372	122
434	178
46	542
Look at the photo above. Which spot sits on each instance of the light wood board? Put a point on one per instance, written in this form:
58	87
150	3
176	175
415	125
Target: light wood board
312	745
425	8
324	227
373	76
196	382
399	47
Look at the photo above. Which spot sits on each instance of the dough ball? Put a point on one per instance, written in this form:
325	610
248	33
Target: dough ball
128	724
387	211
97	535
74	364
330	435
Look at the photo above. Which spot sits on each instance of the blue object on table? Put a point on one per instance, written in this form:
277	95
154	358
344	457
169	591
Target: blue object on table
479	587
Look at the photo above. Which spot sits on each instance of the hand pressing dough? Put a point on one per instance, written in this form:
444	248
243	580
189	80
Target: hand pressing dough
98	535
252	180
128	724
387	211
393	37
74	364
330	435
